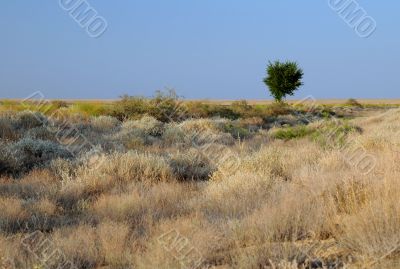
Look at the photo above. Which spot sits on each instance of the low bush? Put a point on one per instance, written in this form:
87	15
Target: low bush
7	131
353	103
237	131
41	133
201	132
276	109
191	165
119	207
88	108
127	167
147	124
166	107
174	135
135	134
28	153
104	123
12	213
333	133
292	132
59	104
129	107
236	195
29	119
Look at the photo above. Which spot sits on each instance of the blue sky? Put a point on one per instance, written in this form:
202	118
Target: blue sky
202	48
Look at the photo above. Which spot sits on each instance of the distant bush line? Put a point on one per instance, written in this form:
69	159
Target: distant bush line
164	107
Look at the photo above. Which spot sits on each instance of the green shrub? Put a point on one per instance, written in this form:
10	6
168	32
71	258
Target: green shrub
167	107
89	108
237	131
289	133
129	107
334	133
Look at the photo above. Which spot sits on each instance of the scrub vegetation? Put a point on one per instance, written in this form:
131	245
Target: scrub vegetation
171	184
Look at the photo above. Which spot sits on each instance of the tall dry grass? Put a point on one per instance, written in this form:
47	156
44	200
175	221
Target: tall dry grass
286	204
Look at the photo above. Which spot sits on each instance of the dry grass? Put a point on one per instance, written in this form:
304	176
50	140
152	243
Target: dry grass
280	204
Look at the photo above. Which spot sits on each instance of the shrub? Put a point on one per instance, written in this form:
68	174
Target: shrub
28	153
126	167
206	131
242	108
191	165
200	125
7	161
277	109
63	169
353	103
292	132
223	111
271	161
105	123
197	109
113	238
173	135
147	124
29	119
42	133
333	133
11	214
88	108
119	207
236	195
237	131
135	134
59	104
130	107
32	186
78	244
7	131
166	107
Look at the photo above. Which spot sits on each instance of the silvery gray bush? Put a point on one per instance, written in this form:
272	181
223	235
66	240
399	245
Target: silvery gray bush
29	119
105	123
42	133
29	153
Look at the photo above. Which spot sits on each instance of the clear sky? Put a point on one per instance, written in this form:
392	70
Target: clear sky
202	48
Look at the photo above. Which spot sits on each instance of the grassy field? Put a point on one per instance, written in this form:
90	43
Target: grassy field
128	184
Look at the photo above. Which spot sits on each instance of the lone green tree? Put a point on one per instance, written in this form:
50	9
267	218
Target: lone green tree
283	79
